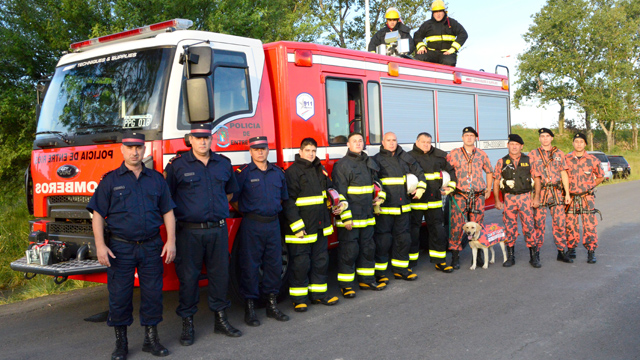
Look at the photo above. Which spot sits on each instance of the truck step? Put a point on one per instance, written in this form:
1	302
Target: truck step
67	268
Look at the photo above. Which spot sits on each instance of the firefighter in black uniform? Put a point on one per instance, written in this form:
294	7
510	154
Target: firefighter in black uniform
394	23
201	184
309	224
393	223
354	176
433	162
262	189
134	201
439	39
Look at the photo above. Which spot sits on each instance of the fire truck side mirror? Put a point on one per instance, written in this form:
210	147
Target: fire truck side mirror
200	61
198	99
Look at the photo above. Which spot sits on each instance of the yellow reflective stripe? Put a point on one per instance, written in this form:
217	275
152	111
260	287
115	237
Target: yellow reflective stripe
406	208
452	184
390	211
419	206
328	230
318	287
400	263
342	198
366	271
382	266
307	239
358	223
422	185
346	215
434	38
456	45
438	254
393	180
382	195
298	291
324	194
296	226
346	277
448	37
433	176
435	204
420	45
414	256
360	190
310	200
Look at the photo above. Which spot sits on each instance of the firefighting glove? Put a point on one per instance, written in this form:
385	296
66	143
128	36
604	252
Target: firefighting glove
376	209
300	234
448	190
419	192
342	206
510	183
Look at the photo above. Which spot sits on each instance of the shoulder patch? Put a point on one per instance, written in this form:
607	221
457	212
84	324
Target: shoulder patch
239	170
107	173
175	157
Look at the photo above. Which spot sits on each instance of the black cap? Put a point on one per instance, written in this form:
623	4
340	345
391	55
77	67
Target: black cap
581	136
258	142
516	138
469	129
201	130
131	138
545	131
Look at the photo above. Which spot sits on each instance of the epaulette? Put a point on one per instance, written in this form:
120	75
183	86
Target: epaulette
175	157
239	170
105	174
279	168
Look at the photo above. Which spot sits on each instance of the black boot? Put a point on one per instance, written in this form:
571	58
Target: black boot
564	256
151	342
511	258
591	257
250	316
223	327
479	259
572	253
273	311
534	254
188	333
455	259
122	345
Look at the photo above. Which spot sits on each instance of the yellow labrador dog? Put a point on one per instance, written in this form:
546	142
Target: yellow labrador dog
484	238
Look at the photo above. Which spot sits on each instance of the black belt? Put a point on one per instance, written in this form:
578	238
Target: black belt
204	225
260	218
113	237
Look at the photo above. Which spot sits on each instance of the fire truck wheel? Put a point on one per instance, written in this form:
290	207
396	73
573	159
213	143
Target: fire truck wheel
234	275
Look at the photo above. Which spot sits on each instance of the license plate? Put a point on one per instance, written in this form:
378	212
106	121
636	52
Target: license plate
619	169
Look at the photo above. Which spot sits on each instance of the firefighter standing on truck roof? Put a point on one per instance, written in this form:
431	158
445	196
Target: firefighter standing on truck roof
394	23
467	202
585	173
433	162
202	183
512	177
393	221
134	201
353	175
309	225
548	163
439	39
262	188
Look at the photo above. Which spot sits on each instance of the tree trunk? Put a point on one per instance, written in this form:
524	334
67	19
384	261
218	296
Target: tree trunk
587	123
634	132
561	117
608	132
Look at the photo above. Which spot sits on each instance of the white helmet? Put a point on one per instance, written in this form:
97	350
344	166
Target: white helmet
446	178
412	183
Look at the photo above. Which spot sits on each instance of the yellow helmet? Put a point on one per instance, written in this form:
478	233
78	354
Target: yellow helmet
392	13
437	5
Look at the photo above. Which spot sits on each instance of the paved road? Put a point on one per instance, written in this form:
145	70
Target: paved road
561	311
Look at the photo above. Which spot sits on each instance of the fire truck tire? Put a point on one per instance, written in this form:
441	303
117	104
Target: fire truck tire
234	275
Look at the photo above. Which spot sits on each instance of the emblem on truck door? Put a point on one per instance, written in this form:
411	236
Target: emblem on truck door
305	106
67	171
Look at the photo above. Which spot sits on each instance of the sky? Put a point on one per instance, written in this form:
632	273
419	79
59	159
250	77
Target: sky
495	31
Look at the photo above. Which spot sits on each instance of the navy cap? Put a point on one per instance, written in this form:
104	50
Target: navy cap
258	142
201	130
469	129
130	138
581	136
545	131
516	138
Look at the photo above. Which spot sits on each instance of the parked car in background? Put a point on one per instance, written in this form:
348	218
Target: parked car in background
619	166
604	161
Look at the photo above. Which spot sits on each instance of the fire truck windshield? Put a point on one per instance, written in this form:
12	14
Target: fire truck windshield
107	94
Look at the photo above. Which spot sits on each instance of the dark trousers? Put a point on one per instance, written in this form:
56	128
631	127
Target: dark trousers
145	257
434	219
438	57
393	232
195	247
356	253
309	265
261	246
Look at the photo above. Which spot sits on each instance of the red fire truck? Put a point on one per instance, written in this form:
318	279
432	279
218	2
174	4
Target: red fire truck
158	78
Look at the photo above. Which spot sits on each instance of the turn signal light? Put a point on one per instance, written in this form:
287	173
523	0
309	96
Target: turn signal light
505	84
303	57
394	69
457	78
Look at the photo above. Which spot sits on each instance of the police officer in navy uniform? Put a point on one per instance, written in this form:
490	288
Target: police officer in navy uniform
133	201
201	184
262	188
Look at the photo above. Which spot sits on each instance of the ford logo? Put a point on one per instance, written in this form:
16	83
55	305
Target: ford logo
67	171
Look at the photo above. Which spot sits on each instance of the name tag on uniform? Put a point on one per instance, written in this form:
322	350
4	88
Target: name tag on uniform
189	174
119	188
255	180
524	164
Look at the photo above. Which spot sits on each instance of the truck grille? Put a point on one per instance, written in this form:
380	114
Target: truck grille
60	199
63	228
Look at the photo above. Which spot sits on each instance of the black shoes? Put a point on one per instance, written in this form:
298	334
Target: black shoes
511	258
250	316
444	268
591	257
299	307
372	286
272	310
564	256
188	332
382	279
572	253
122	346
151	342
410	276
348	293
222	325
327	301
534	254
455	259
